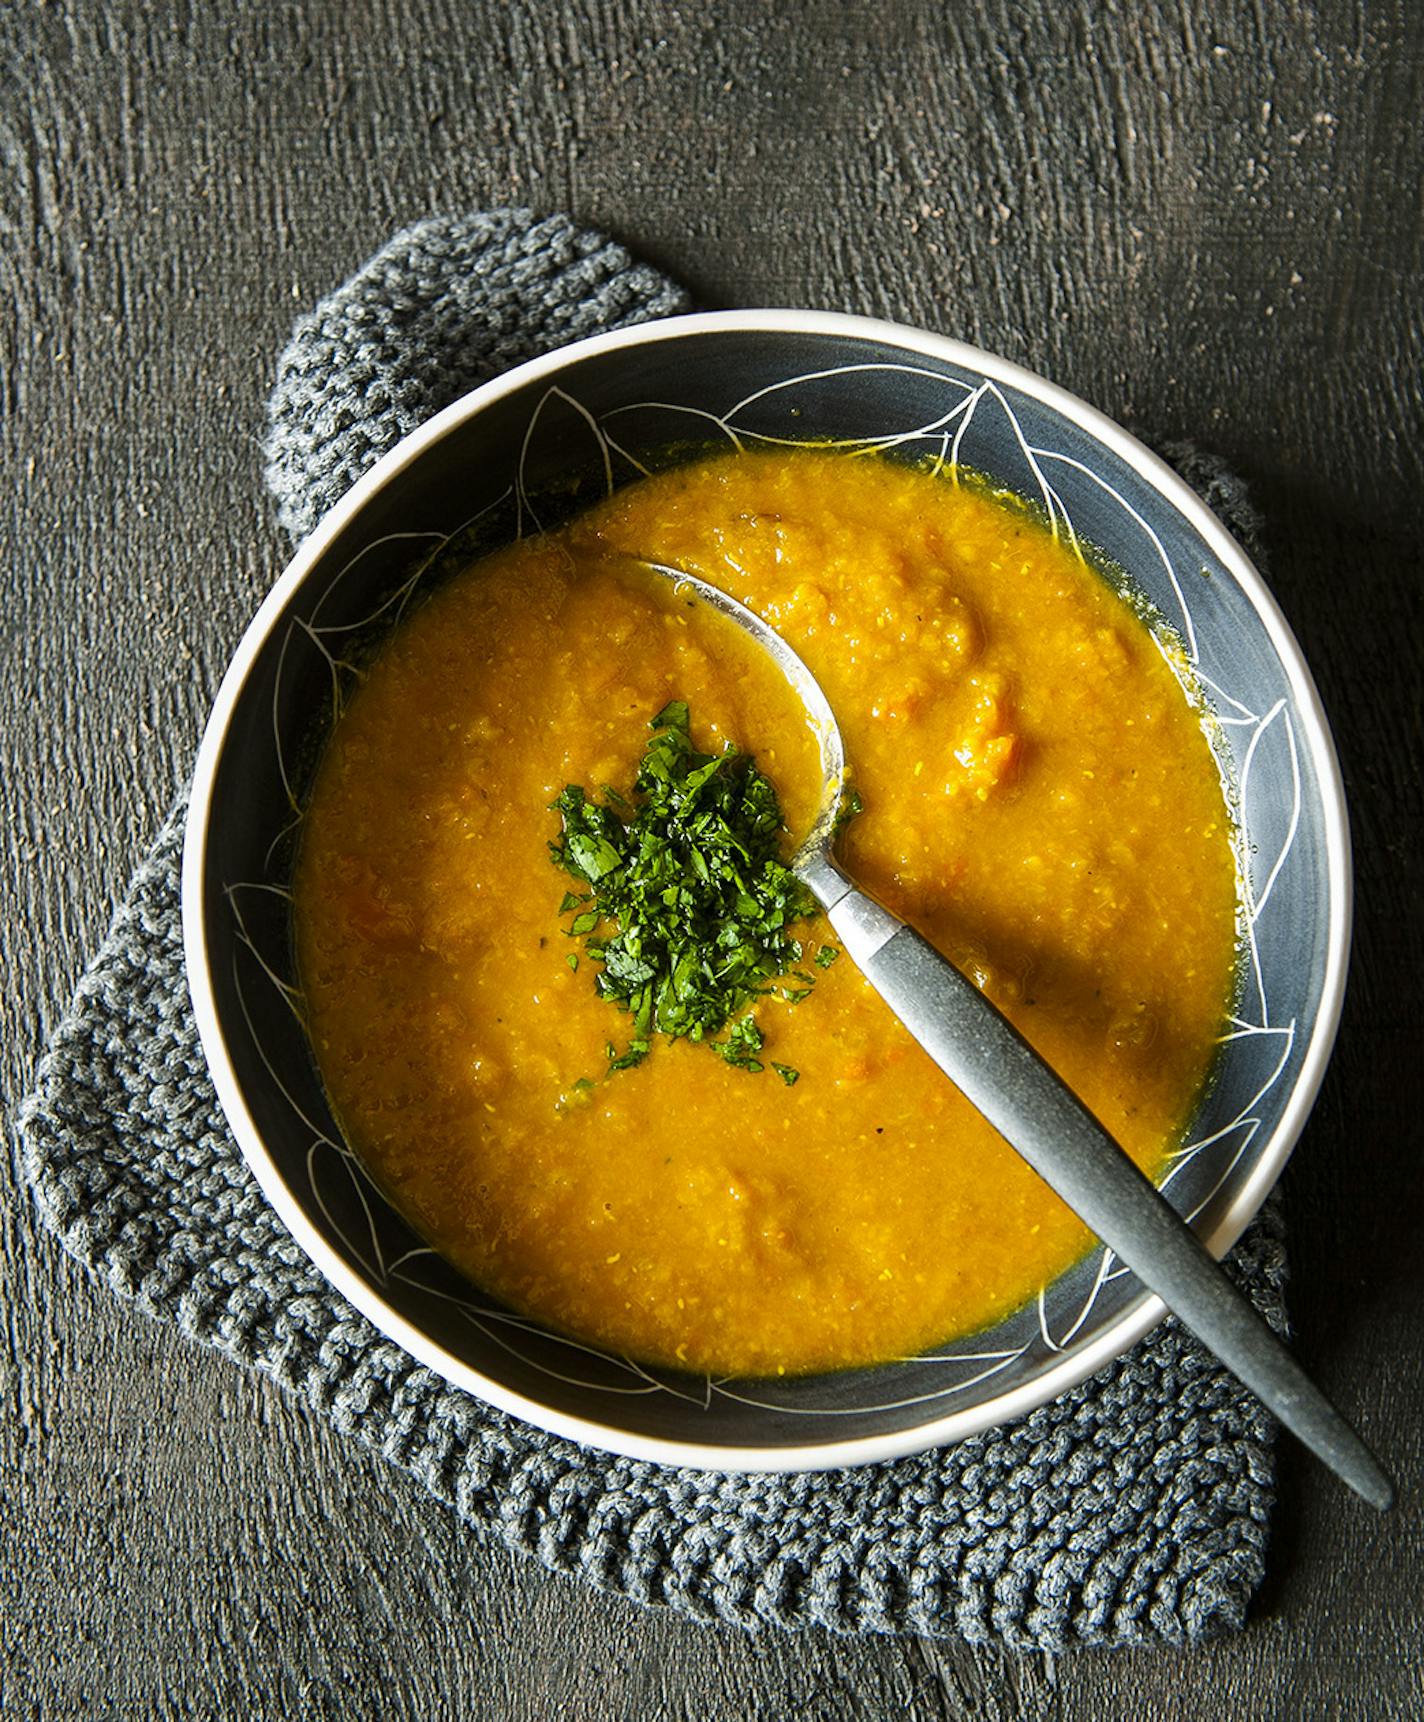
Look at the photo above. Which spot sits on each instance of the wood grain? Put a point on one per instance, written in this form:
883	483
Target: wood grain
1204	219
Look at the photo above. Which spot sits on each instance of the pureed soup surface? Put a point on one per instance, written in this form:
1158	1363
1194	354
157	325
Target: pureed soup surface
1039	800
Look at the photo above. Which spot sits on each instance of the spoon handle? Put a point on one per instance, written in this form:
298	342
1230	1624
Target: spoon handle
986	1057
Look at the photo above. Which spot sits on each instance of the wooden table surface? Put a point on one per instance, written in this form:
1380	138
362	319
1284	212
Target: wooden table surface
1205	218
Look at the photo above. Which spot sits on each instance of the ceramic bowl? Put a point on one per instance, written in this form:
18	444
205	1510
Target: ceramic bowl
506	458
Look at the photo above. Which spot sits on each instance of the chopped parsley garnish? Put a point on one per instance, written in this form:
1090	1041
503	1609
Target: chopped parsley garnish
688	868
743	1044
636	1053
851	804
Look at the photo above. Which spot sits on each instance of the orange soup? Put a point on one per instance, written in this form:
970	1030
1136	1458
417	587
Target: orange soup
1039	799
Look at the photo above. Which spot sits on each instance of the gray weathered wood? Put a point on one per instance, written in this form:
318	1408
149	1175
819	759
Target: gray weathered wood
1206	219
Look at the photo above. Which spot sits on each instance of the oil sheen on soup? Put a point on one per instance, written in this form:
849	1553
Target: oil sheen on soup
1039	799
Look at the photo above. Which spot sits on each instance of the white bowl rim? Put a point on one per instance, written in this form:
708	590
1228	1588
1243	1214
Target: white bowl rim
1078	1363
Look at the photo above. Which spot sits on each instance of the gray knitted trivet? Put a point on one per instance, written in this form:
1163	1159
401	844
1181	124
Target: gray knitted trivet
1131	1510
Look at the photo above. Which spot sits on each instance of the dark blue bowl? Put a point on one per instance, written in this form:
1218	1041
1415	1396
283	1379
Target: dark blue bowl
511	458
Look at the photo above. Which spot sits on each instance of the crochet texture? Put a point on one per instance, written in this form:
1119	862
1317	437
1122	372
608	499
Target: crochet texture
1132	1510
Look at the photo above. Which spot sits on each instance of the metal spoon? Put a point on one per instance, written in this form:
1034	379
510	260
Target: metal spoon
990	1062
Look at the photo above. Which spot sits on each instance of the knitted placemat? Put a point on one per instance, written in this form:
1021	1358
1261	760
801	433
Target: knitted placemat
1134	1509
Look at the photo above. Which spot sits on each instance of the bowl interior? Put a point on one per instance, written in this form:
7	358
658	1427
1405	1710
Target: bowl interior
518	460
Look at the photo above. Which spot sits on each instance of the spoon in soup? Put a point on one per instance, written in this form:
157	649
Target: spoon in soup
1029	1104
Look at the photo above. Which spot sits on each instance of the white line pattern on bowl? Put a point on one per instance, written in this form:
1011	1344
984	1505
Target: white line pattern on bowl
497	1325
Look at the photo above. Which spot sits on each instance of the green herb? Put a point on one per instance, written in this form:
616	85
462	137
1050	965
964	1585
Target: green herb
572	961
827	955
789	1076
572	901
743	1044
636	1053
693	878
851	804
